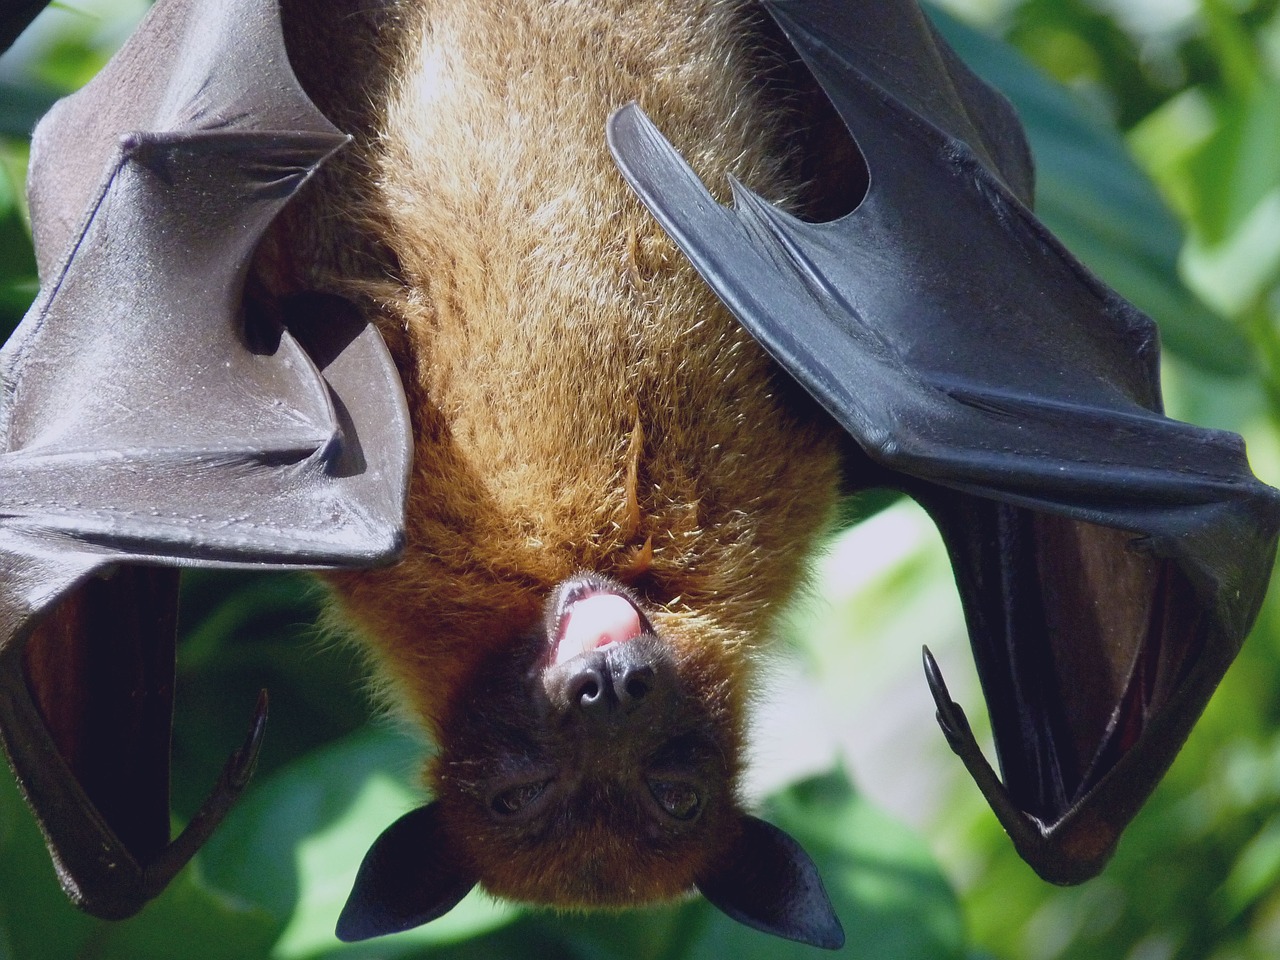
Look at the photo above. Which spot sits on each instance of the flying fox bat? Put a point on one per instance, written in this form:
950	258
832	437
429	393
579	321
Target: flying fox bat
596	419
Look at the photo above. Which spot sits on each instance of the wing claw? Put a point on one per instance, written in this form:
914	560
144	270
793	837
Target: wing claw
231	783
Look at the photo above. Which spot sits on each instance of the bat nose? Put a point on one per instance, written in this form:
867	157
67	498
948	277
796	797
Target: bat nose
615	681
634	684
589	687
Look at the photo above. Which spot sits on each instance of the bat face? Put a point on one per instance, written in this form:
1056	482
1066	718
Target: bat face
587	766
590	764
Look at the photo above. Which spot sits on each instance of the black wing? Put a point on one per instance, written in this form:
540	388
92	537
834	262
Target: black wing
1110	560
14	20
145	423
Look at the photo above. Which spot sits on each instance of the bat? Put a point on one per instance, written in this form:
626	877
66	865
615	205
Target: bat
604	436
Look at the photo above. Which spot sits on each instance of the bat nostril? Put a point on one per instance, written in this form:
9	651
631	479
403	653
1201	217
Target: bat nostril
588	690
636	684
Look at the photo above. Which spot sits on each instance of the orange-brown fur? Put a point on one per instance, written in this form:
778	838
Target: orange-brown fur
580	400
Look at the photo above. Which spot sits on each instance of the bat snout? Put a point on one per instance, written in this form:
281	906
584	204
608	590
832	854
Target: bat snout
612	683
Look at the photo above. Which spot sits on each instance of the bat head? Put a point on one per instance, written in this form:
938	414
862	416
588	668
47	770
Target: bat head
592	767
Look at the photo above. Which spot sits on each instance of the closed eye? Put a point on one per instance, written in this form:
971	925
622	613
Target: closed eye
677	799
515	799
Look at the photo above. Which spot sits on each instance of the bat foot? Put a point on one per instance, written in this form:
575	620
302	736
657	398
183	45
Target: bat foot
243	762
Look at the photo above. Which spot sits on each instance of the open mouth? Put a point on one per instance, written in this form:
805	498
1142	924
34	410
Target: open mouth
589	613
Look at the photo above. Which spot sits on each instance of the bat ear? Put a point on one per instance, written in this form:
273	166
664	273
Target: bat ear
768	882
409	877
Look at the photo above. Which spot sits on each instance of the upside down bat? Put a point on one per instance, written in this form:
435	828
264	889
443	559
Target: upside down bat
435	322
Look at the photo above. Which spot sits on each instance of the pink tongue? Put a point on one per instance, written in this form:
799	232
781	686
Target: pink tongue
595	621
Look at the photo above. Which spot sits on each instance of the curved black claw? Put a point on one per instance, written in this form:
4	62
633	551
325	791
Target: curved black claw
231	783
1034	840
955	725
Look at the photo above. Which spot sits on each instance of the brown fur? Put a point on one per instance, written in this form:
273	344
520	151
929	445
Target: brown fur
580	399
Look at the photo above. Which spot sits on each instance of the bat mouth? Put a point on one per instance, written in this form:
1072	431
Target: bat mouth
590	612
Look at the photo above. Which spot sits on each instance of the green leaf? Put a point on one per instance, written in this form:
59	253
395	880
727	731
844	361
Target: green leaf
37	920
208	925
1081	46
1255	873
1240	164
240	633
1091	193
17	259
21	105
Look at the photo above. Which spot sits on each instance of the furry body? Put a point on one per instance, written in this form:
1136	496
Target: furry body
580	400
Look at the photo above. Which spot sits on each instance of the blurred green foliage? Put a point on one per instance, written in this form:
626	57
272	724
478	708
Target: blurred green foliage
1158	150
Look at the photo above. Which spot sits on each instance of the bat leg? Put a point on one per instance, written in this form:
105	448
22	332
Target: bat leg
1036	843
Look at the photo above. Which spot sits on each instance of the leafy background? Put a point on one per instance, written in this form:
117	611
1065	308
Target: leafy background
1156	125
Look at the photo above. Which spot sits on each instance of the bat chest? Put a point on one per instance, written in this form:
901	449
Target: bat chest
581	401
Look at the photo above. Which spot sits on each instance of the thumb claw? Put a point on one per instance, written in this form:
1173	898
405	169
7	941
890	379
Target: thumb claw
235	777
951	716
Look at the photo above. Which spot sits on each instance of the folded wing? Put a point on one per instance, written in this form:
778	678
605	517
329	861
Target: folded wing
1110	560
146	421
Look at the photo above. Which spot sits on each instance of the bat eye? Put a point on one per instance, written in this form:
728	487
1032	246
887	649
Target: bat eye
679	800
510	802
